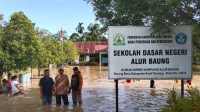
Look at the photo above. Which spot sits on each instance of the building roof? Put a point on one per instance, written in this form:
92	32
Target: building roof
91	47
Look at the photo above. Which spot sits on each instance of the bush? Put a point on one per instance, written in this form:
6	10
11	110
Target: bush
189	103
196	67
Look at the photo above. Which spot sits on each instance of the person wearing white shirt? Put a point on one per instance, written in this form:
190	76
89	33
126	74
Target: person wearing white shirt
15	86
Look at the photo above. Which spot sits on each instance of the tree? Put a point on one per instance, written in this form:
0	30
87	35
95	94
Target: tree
119	12
50	47
19	41
6	63
74	36
94	33
43	55
49	51
70	51
77	36
86	37
196	44
160	15
53	46
42	33
80	29
173	12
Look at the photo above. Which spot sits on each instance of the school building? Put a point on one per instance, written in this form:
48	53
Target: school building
93	52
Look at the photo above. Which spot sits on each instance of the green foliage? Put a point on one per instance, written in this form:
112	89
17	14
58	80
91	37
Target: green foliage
194	97
42	58
119	12
95	33
160	15
195	67
53	48
23	46
46	48
189	103
70	51
80	28
50	50
6	64
196	44
74	36
167	13
19	41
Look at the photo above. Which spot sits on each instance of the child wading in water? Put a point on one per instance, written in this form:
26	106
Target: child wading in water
6	88
15	86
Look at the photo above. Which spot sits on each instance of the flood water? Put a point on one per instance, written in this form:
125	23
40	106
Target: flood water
98	94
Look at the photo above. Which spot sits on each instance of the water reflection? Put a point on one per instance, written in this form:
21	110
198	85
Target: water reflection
153	92
98	94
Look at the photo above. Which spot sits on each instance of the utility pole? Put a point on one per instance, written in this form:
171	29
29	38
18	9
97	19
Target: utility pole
61	39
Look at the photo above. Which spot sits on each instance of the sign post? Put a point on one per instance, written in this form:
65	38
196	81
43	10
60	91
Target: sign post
116	92
137	53
182	88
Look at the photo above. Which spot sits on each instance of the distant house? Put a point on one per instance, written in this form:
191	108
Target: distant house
93	52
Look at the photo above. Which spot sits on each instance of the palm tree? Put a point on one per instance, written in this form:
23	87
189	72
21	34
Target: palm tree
95	31
74	36
80	28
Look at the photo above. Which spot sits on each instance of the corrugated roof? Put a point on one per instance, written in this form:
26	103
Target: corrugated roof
91	47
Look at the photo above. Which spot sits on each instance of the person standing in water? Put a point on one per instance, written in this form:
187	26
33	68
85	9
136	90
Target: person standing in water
61	87
76	86
6	88
152	84
9	80
46	88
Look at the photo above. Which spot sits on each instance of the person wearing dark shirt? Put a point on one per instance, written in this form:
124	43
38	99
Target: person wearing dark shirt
152	84
46	88
76	86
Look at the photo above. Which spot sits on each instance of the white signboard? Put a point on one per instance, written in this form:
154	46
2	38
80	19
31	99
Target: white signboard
135	53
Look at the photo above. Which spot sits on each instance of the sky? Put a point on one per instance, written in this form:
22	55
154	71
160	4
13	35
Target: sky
51	14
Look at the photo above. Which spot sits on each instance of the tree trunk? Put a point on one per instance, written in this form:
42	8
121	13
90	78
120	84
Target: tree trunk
31	73
1	76
39	70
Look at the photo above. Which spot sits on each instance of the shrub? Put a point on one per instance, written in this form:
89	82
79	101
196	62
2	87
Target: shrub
196	67
189	103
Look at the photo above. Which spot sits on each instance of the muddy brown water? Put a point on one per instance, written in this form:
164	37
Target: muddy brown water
98	94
